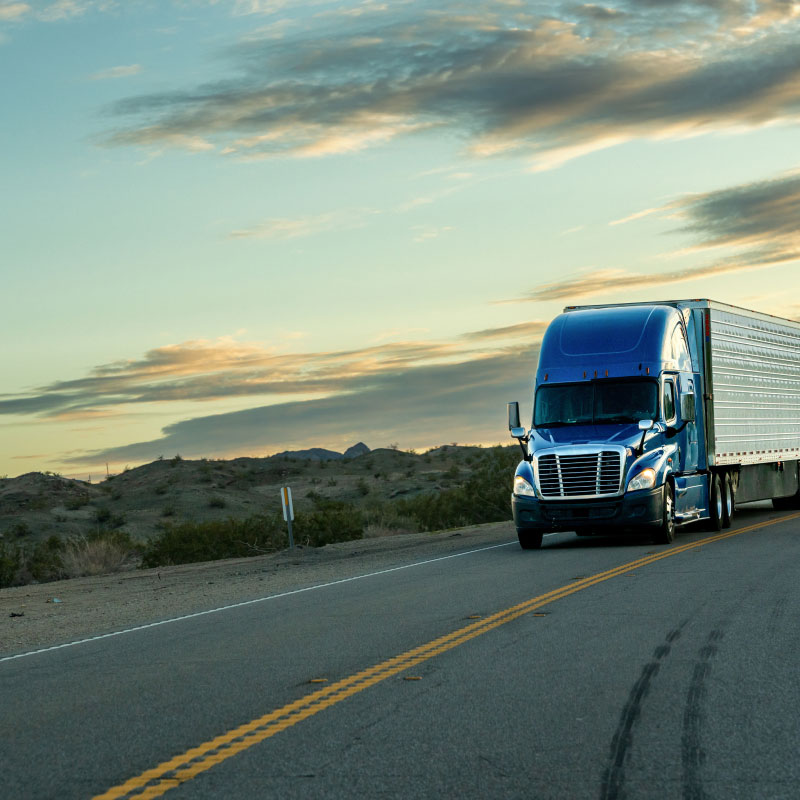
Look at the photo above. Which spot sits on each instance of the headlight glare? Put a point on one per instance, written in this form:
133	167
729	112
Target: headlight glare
522	487
646	479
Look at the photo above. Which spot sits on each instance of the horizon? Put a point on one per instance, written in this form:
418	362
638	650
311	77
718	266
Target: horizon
235	227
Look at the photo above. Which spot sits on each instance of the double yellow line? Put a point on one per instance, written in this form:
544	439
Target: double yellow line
169	774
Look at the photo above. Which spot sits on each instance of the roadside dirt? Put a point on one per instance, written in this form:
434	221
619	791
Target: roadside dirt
42	615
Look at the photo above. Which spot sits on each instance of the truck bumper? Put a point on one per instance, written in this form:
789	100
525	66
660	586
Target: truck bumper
636	509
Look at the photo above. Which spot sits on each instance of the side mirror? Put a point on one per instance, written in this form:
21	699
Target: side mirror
645	424
687	408
517	431
513	416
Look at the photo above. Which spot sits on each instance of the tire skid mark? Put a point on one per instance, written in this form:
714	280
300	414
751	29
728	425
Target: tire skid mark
613	786
692	754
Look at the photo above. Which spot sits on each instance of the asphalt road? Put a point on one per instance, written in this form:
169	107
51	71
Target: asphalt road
596	668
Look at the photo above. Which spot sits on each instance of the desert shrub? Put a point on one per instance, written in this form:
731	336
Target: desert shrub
106	518
21	529
97	554
362	488
330	521
43	562
10	564
384	519
76	502
483	497
216	502
453	472
187	542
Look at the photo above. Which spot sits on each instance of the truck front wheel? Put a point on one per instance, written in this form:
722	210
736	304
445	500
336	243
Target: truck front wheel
716	501
529	540
729	507
666	531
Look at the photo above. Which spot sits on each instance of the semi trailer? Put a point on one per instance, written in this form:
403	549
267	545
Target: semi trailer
649	416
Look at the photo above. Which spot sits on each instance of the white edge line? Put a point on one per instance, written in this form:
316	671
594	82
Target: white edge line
248	603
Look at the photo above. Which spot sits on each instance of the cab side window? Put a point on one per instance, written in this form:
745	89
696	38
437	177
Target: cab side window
669	401
680	350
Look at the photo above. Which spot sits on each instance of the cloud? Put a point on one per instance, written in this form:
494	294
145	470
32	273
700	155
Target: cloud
65	9
124	71
453	402
550	83
756	223
424	233
523	330
637	215
419	391
11	12
202	371
291	228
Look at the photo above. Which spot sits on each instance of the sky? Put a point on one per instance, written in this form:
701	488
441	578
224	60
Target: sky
236	227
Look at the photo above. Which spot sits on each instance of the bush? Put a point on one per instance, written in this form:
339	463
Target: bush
187	542
98	554
76	502
330	521
483	497
10	564
43	561
217	502
104	517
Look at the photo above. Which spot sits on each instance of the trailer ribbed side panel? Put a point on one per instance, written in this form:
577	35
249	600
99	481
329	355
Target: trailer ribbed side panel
755	379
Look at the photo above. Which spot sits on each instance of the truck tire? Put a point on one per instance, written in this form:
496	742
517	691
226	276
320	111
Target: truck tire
529	540
716	503
729	501
786	503
665	533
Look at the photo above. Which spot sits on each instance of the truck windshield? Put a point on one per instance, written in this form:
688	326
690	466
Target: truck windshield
595	403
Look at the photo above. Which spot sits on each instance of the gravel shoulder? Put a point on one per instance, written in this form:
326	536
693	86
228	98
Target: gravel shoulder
42	615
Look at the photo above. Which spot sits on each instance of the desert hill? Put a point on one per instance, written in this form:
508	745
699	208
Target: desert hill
141	501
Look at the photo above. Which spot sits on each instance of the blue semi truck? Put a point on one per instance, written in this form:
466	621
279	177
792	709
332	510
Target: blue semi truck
650	416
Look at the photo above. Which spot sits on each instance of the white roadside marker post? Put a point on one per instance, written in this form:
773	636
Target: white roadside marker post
288	511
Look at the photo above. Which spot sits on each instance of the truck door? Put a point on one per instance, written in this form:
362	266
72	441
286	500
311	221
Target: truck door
691	451
684	386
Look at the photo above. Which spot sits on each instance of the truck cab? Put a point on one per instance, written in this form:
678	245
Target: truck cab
617	438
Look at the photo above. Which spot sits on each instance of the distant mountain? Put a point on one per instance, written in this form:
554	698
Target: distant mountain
312	454
321	454
356	450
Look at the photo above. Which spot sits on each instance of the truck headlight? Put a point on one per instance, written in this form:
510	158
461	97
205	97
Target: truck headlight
646	479
522	487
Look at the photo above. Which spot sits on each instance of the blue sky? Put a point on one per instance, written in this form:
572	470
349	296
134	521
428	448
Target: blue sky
232	228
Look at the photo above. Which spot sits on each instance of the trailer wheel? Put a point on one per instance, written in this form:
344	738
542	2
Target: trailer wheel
529	540
666	531
729	506
717	504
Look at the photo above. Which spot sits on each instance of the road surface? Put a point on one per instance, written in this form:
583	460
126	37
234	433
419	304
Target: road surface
594	668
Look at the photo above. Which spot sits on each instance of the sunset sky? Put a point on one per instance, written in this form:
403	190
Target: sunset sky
235	227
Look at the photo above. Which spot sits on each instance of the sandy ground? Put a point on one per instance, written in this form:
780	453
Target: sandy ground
46	614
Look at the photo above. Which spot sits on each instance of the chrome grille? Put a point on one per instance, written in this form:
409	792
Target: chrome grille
595	474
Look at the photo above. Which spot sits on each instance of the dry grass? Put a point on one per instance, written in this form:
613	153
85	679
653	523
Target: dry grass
83	557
